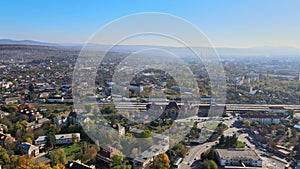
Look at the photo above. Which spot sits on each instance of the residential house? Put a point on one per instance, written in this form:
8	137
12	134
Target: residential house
3	114
61	119
2	127
6	85
105	154
5	139
28	149
67	138
73	118
12	100
32	114
60	139
37	124
66	119
55	99
121	129
43	97
41	140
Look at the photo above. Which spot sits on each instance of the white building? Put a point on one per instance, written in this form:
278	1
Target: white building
29	149
55	99
277	110
121	130
261	118
60	139
238	157
40	140
67	138
142	163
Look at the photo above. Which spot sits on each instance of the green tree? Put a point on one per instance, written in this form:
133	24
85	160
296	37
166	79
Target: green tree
26	162
31	87
4	157
28	136
180	150
222	140
50	140
146	134
208	164
18	126
247	123
90	153
14	161
119	162
161	161
59	166
43	166
291	113
209	154
58	157
233	140
108	110
219	130
53	128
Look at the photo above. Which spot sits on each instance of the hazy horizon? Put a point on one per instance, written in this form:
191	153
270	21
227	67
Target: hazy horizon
163	45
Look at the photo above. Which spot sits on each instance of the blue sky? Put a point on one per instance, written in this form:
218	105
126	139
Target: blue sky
227	23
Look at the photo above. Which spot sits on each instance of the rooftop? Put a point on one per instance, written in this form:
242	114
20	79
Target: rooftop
2	136
109	149
297	126
27	146
259	116
41	138
237	154
79	165
66	136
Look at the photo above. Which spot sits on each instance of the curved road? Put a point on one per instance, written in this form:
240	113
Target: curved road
195	152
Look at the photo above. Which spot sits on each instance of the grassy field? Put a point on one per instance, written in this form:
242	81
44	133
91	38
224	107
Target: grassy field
239	144
210	125
71	151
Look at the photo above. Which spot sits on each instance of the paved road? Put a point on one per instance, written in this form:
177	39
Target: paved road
195	152
190	161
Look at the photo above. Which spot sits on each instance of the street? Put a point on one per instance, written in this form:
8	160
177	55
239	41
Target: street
192	159
195	152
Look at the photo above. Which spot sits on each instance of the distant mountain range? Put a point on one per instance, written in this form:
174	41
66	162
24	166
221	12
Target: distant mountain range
25	42
254	51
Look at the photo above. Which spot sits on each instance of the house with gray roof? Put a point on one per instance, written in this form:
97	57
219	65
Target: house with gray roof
238	157
28	149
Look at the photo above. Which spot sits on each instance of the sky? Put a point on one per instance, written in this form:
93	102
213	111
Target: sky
226	23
